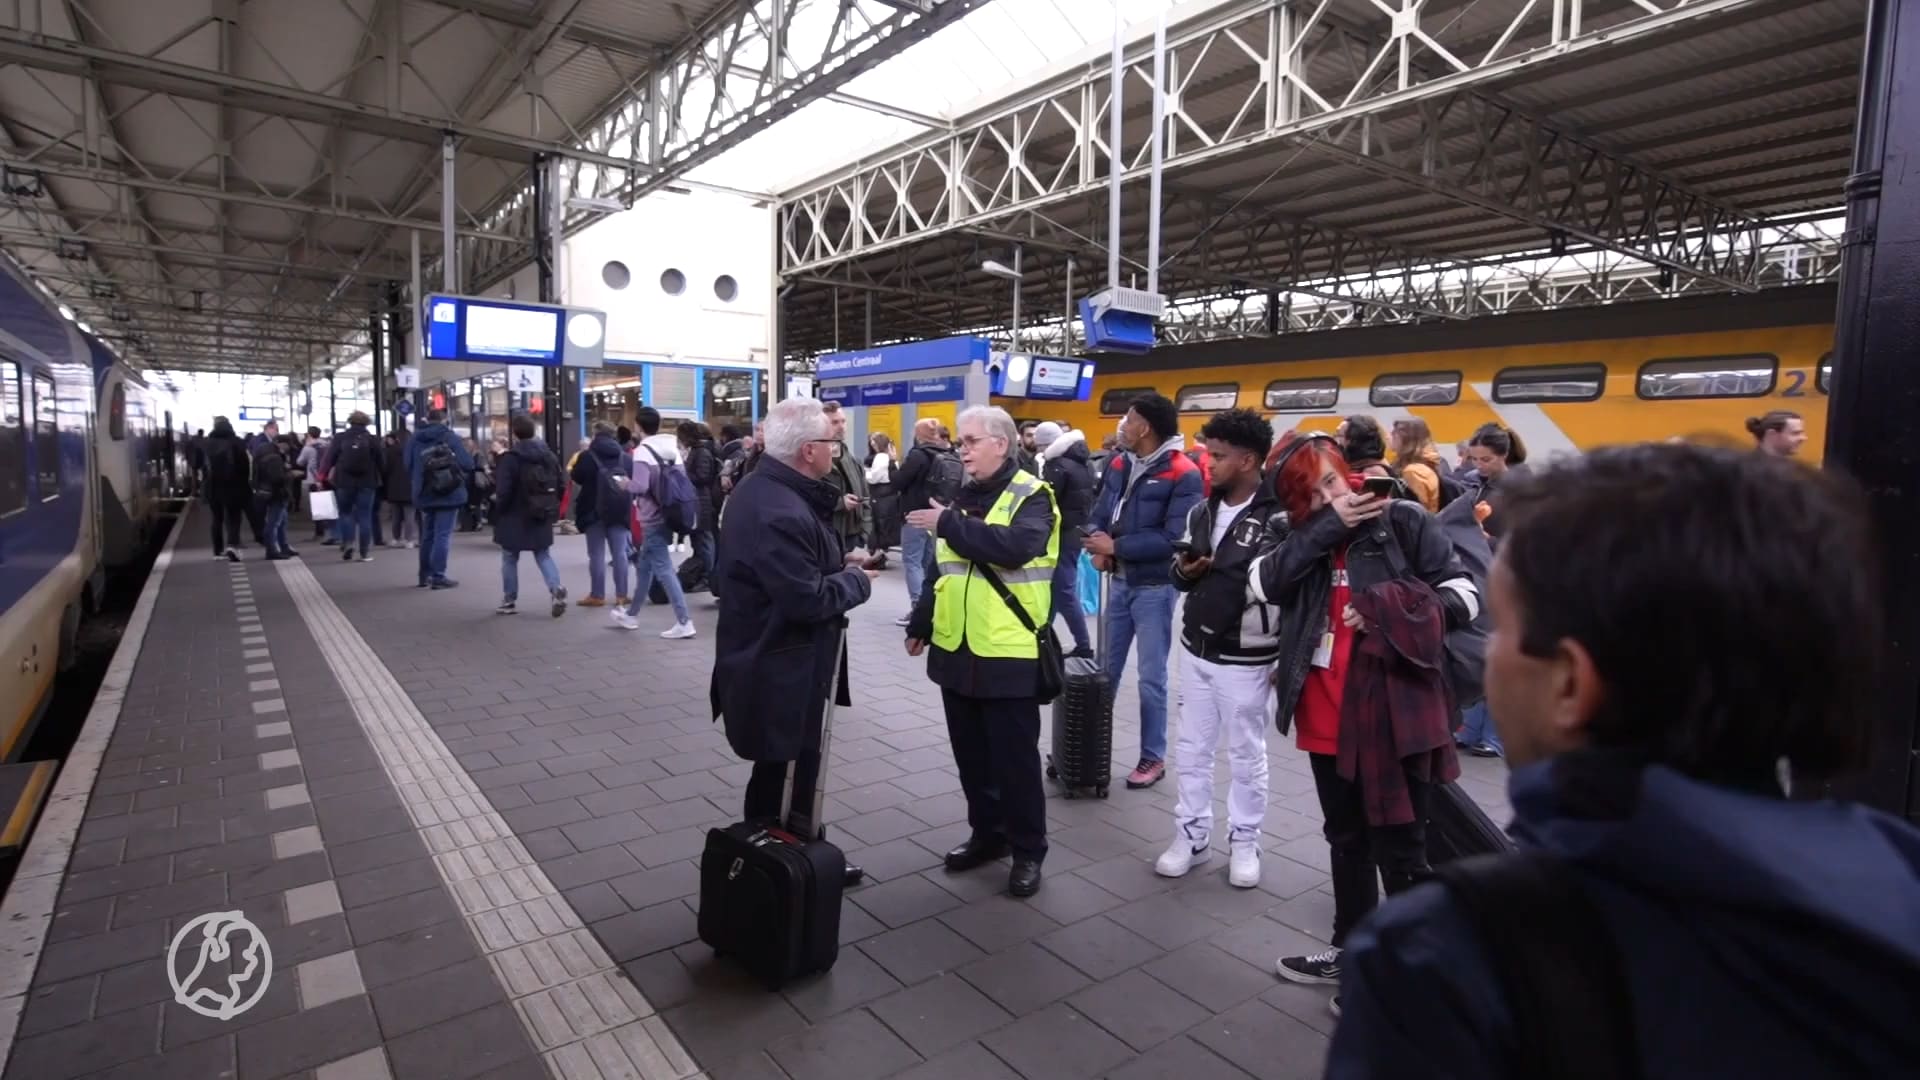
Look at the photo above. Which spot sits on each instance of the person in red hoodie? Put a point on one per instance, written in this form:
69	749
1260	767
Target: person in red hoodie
1360	580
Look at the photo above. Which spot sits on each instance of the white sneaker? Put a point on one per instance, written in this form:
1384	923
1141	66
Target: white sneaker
678	631
1180	857
1243	867
625	621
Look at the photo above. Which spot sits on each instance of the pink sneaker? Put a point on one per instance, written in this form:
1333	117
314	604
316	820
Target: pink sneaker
1146	774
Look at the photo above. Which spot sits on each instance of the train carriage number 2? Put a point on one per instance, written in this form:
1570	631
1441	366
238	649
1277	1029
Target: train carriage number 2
1796	381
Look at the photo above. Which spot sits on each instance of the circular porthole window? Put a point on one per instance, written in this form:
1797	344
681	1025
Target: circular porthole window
672	282
616	274
726	288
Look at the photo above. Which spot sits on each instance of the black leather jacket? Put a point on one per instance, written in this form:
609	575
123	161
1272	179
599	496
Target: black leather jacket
1298	576
1220	621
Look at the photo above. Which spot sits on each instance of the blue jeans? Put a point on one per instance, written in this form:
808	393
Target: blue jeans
510	572
356	515
1066	597
657	562
607	542
705	545
436	536
916	550
276	528
1478	728
1145	611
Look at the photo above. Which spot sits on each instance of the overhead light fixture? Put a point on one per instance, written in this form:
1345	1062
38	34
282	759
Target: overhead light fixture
71	249
1000	270
22	184
66	312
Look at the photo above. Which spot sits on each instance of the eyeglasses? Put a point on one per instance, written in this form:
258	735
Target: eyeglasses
971	441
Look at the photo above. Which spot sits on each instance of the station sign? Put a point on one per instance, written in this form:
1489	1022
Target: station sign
946	388
841	395
256	413
953	352
473	329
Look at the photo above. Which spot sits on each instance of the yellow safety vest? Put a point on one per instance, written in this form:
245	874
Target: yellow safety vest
966	607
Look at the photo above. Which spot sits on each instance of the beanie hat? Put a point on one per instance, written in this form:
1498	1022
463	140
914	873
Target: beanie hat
1044	434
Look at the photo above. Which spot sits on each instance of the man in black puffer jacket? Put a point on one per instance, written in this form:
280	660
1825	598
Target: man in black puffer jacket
229	487
603	511
1065	466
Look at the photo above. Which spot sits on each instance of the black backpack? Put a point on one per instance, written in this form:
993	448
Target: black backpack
540	482
355	460
945	474
1450	486
1557	965
439	471
615	497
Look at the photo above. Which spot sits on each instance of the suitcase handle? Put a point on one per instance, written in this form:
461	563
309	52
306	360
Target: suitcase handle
789	811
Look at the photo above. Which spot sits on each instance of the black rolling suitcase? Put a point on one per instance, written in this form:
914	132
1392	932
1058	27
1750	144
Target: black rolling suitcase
769	895
1081	759
1457	828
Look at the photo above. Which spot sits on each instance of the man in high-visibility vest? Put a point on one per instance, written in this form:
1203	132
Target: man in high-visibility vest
985	656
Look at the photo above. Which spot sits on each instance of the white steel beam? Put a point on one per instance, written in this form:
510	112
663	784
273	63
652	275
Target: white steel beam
1303	78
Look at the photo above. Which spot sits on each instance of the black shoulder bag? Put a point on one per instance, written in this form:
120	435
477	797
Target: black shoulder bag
1053	676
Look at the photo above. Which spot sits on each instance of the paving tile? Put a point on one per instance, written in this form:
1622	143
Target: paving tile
1264	1041
1099	947
1166	921
1024	978
374	886
649	887
1199	971
1141	1010
401	914
612	829
920	951
904	900
1179	1059
365	1065
314	901
852	1046
415	952
854	980
308	1038
329	979
724	1028
970	1062
940	1014
1057	1042
600	864
998	922
425	1000
465	1047
668	847
300	841
49	1008
649	930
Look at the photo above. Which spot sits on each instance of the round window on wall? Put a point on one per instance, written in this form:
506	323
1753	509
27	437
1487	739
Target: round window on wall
616	274
672	282
726	288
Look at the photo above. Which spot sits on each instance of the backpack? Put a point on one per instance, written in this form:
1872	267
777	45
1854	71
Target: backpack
439	471
1466	662
540	487
1557	966
945	474
1450	487
355	460
614	492
673	493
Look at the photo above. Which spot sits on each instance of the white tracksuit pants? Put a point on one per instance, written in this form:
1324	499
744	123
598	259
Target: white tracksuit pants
1236	699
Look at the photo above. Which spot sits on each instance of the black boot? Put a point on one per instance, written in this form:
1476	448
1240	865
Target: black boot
977	851
1024	879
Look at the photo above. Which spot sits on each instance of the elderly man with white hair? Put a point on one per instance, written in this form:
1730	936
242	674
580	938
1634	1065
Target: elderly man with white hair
997	546
787	585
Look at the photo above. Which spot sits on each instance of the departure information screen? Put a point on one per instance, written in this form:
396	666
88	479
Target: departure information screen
512	333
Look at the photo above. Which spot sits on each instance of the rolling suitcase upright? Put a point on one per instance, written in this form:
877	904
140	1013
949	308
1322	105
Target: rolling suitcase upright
1082	753
770	891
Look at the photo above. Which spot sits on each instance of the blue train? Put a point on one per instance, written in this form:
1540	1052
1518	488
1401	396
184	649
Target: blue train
88	459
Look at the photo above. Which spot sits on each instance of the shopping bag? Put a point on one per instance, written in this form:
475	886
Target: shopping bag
322	507
1089	586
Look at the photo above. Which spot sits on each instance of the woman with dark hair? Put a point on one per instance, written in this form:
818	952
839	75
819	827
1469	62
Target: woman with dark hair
1498	457
1363	445
702	461
883	468
1367	588
1779	433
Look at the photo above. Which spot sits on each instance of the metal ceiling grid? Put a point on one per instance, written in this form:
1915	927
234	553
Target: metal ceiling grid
1326	156
182	173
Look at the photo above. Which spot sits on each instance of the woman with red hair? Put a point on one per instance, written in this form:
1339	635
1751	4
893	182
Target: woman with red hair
1367	587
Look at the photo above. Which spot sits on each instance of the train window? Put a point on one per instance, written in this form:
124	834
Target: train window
1302	395
1549	382
1117	402
117	413
13	442
1709	377
1207	397
1823	376
1415	388
46	435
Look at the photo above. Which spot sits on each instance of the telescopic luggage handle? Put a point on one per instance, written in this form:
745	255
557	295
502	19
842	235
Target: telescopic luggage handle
787	812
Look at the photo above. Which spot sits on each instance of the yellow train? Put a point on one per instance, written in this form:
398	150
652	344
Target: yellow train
1565	380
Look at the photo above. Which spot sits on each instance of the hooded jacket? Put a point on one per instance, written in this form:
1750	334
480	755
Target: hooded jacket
1064	466
437	435
603	456
229	466
514	526
1144	505
1758	937
398	486
848	478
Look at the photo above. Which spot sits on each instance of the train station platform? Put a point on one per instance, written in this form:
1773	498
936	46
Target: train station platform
468	842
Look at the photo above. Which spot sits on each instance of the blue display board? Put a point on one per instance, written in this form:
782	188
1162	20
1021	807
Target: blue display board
885	393
473	330
844	395
1054	379
953	352
947	388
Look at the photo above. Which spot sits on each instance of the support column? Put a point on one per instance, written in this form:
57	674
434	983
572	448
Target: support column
377	338
449	214
1874	405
